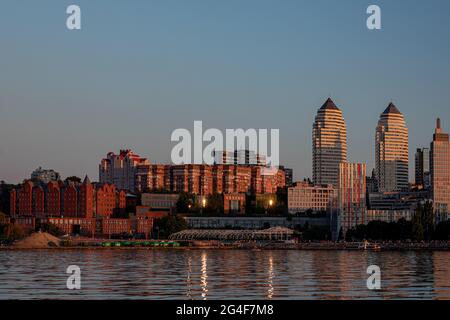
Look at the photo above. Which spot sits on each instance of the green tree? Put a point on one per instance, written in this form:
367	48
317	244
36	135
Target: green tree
72	179
165	226
214	204
417	232
423	222
316	233
187	203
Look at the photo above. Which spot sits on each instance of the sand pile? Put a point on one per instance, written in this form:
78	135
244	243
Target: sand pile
38	240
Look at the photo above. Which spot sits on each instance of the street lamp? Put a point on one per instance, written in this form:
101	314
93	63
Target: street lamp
203	204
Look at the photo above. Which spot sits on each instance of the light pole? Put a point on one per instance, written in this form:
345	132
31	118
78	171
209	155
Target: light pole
269	206
203	204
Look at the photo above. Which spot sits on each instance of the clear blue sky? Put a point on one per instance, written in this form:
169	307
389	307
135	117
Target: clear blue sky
140	69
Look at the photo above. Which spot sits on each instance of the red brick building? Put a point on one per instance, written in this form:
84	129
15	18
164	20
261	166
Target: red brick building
234	203
152	177
121	204
86	226
106	200
38	201
86	199
25	199
208	179
71	200
116	226
13	203
53	199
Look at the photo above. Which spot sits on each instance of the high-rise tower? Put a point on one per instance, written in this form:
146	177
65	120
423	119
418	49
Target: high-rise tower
440	171
391	151
329	144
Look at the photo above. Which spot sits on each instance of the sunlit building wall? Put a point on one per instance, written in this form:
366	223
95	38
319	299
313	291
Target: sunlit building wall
329	145
391	151
352	195
440	171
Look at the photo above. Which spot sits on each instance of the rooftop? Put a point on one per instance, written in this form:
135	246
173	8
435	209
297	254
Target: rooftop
391	109
329	105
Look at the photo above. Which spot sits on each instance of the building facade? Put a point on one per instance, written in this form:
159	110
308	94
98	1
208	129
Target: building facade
45	175
304	196
121	169
206	179
422	168
234	203
351	195
440	172
391	151
241	157
153	177
389	215
58	199
162	201
329	145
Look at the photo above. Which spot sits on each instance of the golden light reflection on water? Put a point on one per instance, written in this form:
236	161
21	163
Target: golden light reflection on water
271	274
204	276
189	280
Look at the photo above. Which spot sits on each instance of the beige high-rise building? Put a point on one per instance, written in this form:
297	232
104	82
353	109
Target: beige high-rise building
329	144
440	171
391	151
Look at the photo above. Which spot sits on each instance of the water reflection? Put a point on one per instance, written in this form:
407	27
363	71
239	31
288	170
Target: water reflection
204	277
270	278
189	281
223	274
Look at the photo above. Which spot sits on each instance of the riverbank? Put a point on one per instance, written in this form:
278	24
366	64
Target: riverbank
107	244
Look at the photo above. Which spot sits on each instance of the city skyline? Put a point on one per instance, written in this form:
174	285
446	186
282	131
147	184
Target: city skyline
319	119
166	65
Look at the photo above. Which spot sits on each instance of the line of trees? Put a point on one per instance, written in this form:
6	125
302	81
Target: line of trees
165	226
421	227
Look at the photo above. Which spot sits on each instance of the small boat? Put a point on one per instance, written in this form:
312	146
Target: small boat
369	246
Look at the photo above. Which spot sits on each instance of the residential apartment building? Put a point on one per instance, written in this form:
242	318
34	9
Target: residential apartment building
206	179
304	196
351	195
45	175
58	199
121	169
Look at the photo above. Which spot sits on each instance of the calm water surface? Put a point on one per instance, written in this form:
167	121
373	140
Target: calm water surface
223	274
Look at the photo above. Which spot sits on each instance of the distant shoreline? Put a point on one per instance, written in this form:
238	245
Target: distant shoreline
276	246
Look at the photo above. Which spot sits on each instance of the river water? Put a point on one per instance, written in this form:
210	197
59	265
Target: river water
223	274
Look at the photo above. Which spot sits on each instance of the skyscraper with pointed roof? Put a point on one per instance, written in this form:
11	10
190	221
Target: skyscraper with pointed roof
329	143
440	171
391	151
